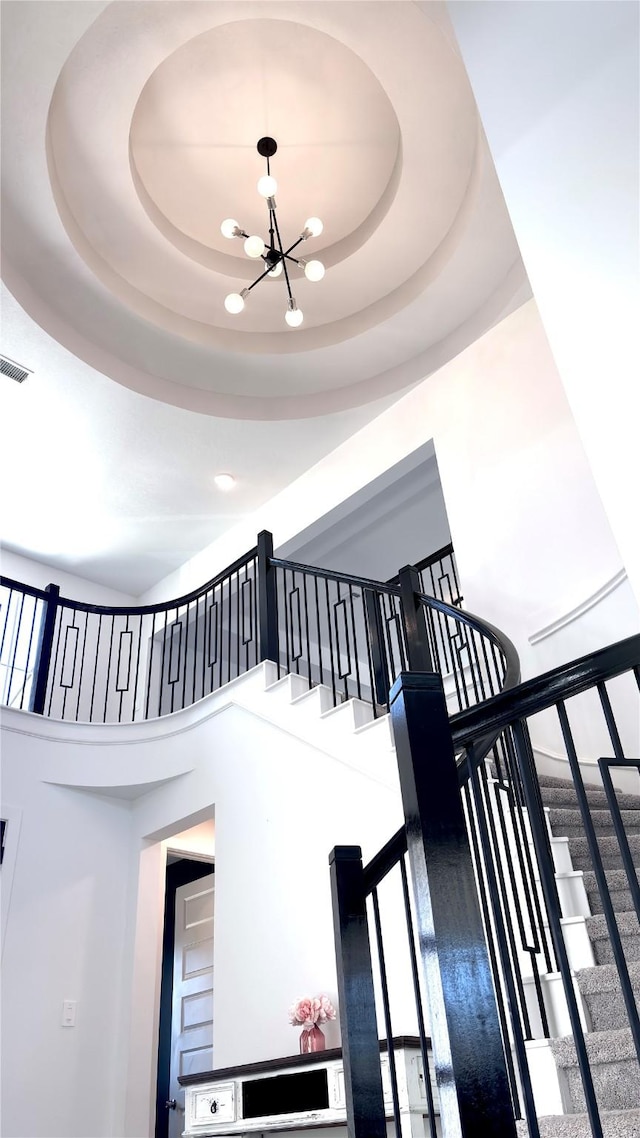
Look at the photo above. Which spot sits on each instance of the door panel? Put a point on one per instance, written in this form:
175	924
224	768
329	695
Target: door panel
192	1006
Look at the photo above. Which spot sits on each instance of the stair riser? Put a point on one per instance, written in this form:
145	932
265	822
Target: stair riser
602	831
608	848
617	1086
610	859
607	1010
570	1126
567	799
603	952
620	899
570	822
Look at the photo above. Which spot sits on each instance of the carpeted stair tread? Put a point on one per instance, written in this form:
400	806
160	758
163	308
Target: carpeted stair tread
618	890
602	1047
565	821
565	795
598	933
615	1124
604	978
602	993
614	1068
609	851
627	923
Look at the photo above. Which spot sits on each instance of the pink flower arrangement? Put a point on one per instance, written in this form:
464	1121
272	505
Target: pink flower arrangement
309	1011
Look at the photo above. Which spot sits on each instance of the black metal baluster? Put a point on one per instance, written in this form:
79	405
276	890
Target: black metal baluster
422	1035
628	859
491	852
601	877
612	727
58	630
15	648
547	880
237	637
306	626
379	671
319	632
384	987
186	655
26	669
162	660
230	606
356	649
331	653
106	685
152	642
135	682
495	934
82	659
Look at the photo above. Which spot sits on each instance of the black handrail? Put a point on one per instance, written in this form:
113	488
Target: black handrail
349	633
544	691
20	587
159	606
332	575
486	721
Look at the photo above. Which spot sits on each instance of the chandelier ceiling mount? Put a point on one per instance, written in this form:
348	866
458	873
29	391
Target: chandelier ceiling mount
277	259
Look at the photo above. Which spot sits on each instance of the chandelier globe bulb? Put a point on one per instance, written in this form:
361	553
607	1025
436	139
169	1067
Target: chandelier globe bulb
267	186
294	315
314	270
314	225
276	270
228	227
254	246
234	303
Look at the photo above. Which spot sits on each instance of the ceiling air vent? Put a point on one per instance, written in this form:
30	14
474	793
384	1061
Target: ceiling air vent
14	370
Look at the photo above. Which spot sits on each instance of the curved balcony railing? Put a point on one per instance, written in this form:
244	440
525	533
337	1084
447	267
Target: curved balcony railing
68	659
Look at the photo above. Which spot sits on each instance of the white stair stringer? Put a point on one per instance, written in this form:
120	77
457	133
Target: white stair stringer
348	732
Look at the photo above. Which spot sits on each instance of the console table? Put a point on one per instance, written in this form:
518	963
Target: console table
299	1094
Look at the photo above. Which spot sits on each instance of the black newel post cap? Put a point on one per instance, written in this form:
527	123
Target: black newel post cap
415	681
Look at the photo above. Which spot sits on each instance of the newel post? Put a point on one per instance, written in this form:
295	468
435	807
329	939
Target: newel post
465	1031
414	621
360	1046
43	650
267	600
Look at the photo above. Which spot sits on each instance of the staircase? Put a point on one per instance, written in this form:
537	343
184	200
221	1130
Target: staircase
612	1055
350	733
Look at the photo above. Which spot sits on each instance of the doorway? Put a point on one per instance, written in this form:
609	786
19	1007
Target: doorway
188	899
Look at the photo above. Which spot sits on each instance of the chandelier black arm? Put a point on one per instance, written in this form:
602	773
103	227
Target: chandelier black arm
288	251
258	279
282	253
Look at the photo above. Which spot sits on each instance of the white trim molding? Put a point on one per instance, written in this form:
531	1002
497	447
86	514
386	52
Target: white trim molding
575	613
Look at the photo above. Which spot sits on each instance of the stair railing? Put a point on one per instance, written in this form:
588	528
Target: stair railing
106	664
487	757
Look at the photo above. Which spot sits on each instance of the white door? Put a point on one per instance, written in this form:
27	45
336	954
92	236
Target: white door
192	1007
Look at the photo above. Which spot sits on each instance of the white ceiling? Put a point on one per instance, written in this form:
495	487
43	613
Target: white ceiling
129	132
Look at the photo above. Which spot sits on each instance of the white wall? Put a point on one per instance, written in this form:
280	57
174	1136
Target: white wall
64	940
77	588
85	919
527	523
557	89
399	524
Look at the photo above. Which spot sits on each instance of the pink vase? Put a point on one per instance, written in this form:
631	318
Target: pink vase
312	1039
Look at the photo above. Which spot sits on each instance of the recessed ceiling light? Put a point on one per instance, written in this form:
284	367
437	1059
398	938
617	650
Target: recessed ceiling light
224	481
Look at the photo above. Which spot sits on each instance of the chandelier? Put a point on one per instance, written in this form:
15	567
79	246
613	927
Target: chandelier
276	258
